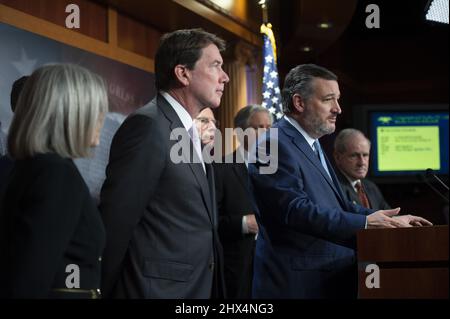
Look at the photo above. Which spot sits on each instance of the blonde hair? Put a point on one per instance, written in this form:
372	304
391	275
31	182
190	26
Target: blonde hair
57	112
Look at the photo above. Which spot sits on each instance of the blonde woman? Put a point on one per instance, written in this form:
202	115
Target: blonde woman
51	233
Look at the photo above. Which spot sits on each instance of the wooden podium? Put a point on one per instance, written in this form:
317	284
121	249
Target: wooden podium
413	262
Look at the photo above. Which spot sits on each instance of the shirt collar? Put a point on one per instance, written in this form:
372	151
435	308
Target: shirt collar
295	124
353	182
243	154
184	116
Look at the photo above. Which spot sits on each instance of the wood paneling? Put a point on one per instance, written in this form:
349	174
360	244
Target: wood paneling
411	244
168	16
403	283
413	262
246	12
93	16
112	27
137	37
223	21
50	30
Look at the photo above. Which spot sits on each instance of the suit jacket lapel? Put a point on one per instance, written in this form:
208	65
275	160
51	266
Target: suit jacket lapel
337	185
347	188
241	171
196	168
212	192
300	142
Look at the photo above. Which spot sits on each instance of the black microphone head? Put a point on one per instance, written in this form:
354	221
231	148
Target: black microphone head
429	172
421	177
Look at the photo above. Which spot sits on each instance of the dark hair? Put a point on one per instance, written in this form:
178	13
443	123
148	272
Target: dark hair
16	89
299	81
181	47
243	116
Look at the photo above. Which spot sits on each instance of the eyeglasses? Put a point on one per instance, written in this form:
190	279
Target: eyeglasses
206	121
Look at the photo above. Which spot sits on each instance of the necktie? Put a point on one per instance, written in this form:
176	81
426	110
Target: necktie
197	144
362	195
319	154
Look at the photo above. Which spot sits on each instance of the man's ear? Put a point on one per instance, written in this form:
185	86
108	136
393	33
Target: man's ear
182	74
298	103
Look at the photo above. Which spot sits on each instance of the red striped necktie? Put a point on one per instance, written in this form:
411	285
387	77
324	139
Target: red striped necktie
362	195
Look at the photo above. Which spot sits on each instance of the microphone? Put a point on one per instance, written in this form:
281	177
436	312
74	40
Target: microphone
430	172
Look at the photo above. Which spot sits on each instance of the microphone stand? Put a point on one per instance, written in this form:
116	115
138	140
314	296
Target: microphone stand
429	172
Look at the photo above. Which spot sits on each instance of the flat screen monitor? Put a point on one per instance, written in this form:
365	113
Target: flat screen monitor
408	142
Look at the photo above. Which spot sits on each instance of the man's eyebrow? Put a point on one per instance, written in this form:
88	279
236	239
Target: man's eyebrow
331	95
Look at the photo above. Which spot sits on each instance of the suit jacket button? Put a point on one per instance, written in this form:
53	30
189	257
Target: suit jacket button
211	266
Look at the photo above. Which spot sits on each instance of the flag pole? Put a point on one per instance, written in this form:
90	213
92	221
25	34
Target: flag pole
266	27
264	11
271	91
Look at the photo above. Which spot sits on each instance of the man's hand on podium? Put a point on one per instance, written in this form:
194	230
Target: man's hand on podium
387	219
383	219
412	220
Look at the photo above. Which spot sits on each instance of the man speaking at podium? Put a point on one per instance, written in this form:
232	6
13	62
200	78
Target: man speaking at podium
307	230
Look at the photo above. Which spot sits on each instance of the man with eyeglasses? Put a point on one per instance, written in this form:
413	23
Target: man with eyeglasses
206	126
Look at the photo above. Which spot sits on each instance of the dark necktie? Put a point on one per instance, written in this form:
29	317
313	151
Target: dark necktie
362	195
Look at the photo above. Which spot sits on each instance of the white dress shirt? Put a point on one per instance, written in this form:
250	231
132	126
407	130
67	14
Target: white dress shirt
188	124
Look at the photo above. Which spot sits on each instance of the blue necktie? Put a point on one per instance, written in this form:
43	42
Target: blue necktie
319	153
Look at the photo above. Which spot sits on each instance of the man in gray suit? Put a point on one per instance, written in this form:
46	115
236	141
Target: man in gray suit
351	154
159	213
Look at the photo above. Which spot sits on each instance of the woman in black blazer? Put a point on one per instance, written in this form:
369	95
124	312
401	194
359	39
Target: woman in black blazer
51	233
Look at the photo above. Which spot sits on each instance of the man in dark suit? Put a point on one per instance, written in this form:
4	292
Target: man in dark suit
351	155
206	126
160	212
237	223
307	230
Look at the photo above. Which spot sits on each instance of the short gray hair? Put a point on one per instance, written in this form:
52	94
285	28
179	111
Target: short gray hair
57	112
299	81
243	116
340	143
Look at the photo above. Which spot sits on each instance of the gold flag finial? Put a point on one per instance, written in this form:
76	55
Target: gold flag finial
267	30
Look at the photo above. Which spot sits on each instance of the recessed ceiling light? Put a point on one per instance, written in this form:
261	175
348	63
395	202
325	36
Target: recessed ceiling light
306	48
324	25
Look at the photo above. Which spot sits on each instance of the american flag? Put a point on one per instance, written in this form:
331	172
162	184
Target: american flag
271	89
